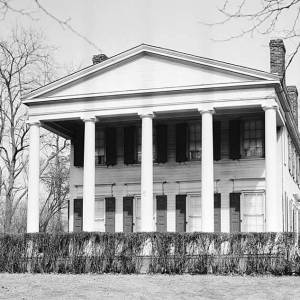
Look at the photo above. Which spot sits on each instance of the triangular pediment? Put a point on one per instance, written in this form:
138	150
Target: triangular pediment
148	69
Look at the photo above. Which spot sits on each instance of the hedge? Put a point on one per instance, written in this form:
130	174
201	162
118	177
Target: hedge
172	253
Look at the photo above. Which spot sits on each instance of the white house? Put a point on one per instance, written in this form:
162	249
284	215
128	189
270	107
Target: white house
168	141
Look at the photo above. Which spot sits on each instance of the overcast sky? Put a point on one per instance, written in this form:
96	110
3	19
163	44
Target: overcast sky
117	25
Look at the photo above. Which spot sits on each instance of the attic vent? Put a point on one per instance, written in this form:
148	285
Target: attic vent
99	58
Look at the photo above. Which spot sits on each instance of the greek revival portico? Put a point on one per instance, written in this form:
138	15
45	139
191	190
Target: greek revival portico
206	114
148	85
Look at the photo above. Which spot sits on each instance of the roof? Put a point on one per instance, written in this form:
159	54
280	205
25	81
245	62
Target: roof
151	50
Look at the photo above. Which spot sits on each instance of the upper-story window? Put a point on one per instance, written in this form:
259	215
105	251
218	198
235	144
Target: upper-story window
252	144
100	146
194	141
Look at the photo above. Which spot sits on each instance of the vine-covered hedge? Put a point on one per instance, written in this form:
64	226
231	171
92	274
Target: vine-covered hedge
195	253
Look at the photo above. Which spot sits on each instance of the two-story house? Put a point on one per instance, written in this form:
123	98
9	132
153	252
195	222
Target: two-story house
168	141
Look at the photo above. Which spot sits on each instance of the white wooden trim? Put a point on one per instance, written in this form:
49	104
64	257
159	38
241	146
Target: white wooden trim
145	92
148	49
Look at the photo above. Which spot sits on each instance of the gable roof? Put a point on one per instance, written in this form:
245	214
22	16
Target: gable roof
152	50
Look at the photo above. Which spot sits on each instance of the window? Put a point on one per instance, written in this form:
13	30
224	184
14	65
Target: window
253	138
252	208
194	141
194	213
290	153
99	208
100	146
139	145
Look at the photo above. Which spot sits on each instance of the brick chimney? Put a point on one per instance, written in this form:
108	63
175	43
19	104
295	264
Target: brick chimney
293	99
277	57
99	58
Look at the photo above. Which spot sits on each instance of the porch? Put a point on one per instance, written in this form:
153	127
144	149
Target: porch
186	172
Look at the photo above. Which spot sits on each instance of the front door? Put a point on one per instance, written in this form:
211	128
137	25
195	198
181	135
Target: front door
110	208
161	213
180	213
127	214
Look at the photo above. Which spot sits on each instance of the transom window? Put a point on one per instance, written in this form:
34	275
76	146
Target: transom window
100	146
194	141
252	138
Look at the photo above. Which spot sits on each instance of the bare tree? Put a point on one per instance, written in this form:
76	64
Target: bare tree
19	8
22	57
55	179
264	17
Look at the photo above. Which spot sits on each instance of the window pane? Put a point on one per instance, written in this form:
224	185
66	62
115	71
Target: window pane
253	212
99	208
194	141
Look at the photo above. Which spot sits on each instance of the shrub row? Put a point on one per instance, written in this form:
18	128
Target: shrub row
195	253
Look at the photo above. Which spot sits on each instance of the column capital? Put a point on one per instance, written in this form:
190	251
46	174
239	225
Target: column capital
33	122
89	119
146	114
269	106
206	109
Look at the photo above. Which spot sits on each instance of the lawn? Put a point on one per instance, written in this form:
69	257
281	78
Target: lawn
87	286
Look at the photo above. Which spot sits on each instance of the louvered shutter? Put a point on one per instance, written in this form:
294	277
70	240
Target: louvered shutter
217	140
180	213
110	146
161	213
78	144
181	142
235	212
110	208
217	212
129	145
162	143
78	211
234	139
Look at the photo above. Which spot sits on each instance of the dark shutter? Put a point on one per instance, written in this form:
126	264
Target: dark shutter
161	213
127	214
234	139
217	140
110	146
217	212
181	142
129	145
77	215
161	143
110	208
235	212
78	144
180	213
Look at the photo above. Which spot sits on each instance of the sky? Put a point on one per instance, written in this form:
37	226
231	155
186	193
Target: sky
117	25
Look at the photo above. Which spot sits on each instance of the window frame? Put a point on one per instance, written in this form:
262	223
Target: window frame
98	130
242	206
250	138
197	140
100	198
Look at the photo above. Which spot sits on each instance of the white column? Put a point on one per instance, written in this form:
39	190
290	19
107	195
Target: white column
207	166
89	174
147	173
272	198
33	178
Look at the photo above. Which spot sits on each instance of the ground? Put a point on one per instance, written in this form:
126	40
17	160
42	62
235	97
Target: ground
55	286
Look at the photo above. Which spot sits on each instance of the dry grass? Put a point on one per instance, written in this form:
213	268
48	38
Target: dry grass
87	286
